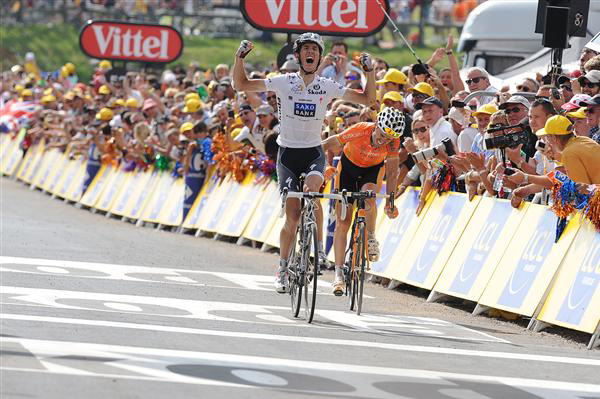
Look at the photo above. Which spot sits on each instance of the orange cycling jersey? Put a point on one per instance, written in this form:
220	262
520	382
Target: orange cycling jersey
359	148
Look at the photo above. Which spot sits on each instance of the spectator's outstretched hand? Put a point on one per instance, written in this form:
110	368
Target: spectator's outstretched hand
246	47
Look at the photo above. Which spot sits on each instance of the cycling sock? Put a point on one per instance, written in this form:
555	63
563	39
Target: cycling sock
320	244
283	264
339	274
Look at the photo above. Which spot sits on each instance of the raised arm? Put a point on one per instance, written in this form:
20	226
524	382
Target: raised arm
457	82
240	80
367	97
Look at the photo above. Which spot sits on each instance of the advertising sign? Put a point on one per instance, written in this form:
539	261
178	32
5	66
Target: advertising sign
333	17
130	41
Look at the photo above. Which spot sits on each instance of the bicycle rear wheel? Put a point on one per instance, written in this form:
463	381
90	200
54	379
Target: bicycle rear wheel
359	268
295	281
311	261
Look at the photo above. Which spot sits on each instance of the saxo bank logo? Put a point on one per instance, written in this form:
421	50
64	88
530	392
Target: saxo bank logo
537	249
480	251
438	236
406	214
586	283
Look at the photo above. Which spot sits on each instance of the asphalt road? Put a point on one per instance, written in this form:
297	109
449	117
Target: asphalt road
96	308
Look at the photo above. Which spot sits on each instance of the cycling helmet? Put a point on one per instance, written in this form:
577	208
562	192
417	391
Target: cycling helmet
308	37
391	122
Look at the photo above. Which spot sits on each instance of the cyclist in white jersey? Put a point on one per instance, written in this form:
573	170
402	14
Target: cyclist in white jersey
302	100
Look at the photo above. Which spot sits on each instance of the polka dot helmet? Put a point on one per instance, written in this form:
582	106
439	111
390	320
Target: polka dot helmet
391	122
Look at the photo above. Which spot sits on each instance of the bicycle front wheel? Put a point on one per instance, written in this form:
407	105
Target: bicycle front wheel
359	268
311	261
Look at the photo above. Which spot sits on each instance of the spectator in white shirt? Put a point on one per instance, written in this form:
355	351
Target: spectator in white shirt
433	115
478	80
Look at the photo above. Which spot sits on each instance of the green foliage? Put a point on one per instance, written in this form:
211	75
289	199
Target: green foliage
55	45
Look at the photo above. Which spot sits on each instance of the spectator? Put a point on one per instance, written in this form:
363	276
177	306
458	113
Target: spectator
590	83
478	80
335	65
593	117
433	115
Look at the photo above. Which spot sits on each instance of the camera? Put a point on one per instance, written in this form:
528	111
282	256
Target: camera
336	58
506	140
540	145
429	153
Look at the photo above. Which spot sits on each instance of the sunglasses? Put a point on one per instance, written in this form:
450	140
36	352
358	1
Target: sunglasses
523	89
351	77
589	85
566	87
422	129
458	104
542	98
474	80
508	111
273	97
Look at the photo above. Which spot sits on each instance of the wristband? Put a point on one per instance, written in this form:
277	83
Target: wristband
526	179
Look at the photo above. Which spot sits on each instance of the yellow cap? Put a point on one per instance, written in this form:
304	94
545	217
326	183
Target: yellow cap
192	105
132	102
487	109
557	125
105	114
70	67
19	88
424	88
105	64
120	102
395	76
186	126
191	95
69	95
48	99
104	89
26	93
579	114
48	91
393	96
64	73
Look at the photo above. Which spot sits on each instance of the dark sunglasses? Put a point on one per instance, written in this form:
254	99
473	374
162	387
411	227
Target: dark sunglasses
272	97
474	80
420	129
523	89
508	111
542	98
589	84
457	104
566	87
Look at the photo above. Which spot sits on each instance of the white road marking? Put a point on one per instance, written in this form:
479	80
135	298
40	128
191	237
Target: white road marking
158	275
232	312
46	348
309	340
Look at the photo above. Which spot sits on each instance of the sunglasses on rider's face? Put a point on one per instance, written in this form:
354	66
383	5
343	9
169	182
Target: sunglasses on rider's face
474	80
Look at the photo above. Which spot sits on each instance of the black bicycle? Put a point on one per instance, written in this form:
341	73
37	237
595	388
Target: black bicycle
303	264
357	254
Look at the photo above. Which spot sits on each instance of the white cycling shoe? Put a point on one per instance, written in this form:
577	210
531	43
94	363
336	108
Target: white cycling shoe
281	281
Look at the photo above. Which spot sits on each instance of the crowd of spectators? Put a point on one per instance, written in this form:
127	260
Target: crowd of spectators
138	119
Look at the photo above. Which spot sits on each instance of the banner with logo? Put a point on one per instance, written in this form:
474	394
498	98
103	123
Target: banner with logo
171	213
130	181
142	194
75	191
192	219
158	198
212	203
395	235
28	161
525	271
228	191
12	154
485	239
94	190
265	215
194	179
93	165
114	185
574	299
56	172
435	240
249	197
49	162
67	179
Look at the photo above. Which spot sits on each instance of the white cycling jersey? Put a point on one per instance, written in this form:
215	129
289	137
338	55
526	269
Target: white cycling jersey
301	110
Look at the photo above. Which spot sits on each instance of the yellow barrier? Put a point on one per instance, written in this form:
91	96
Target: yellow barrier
171	213
142	195
36	163
56	172
75	189
49	162
238	215
574	299
526	270
193	217
29	160
217	204
130	181
158	198
486	238
94	190
11	157
114	184
266	214
65	181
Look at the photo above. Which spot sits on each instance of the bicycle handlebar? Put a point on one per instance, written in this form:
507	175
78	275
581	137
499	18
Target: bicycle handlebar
369	194
313	195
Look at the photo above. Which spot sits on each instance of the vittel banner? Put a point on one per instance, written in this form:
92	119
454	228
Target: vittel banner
329	17
130	42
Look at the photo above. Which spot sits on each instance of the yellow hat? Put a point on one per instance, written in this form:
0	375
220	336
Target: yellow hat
579	114
105	64
70	67
120	102
132	102
105	114
104	89
186	126
393	96
64	73
487	109
424	88
19	88
48	91
191	95
26	93
48	99
69	95
557	125
395	76
192	105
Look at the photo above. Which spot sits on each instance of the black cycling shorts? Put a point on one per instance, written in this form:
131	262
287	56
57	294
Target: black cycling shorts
353	177
292	162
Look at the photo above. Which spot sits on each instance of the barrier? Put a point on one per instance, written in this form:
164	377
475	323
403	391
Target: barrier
12	154
574	299
476	255
433	242
482	250
527	267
